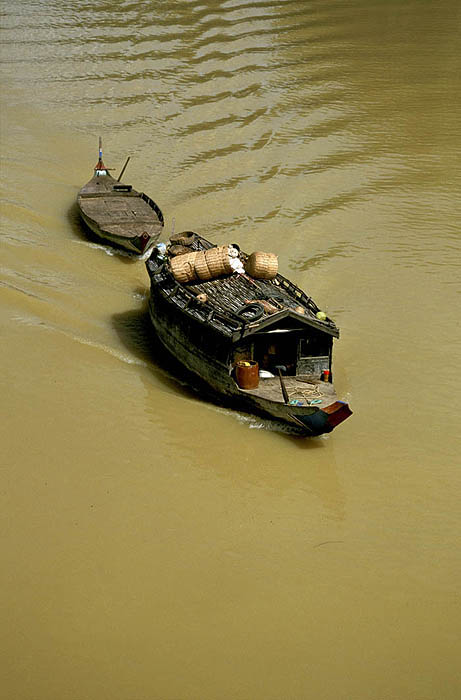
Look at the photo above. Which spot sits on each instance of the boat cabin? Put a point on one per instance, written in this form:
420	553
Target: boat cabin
289	342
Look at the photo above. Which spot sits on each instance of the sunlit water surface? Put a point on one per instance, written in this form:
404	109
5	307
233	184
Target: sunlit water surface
156	546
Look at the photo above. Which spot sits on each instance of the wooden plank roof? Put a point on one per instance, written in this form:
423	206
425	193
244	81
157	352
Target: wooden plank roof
226	296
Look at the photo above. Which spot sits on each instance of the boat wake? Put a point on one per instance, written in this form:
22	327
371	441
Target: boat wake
269	424
39	323
115	252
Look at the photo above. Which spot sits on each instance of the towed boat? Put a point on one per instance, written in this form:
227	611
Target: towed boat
255	338
118	214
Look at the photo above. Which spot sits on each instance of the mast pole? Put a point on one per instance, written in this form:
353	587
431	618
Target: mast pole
123	169
100	165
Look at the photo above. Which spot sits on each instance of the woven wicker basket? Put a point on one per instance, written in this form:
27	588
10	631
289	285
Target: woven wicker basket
218	261
178	250
185	238
182	267
201	267
262	265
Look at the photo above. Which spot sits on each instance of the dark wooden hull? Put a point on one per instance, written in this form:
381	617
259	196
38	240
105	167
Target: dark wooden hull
205	354
119	215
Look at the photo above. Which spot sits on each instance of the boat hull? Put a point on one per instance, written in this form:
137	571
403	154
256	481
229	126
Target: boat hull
118	215
213	370
136	245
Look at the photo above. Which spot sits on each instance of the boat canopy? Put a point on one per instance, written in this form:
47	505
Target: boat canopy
285	321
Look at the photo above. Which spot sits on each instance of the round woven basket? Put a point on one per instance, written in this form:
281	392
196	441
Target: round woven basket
201	267
185	238
178	250
182	267
218	261
262	265
226	260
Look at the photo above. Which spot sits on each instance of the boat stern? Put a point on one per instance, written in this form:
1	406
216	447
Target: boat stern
142	245
143	242
324	419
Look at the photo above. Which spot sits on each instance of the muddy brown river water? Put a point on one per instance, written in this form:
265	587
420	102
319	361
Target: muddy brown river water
156	546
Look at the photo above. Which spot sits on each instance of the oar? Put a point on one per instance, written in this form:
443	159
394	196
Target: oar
282	382
123	169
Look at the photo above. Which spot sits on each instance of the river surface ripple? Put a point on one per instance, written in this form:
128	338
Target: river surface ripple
156	546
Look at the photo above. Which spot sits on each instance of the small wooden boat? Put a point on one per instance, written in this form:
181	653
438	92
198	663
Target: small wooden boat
117	213
260	343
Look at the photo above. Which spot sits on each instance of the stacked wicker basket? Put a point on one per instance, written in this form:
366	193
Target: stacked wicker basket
216	262
201	265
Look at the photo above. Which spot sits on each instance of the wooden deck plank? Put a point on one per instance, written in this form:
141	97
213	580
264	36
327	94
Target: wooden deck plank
106	211
306	391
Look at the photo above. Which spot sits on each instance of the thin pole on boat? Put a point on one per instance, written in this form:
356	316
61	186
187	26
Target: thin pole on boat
123	169
100	165
282	382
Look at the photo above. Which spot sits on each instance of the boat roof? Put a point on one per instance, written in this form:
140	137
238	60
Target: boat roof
227	295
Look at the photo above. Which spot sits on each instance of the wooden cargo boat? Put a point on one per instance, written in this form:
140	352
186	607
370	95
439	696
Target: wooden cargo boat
118	214
261	344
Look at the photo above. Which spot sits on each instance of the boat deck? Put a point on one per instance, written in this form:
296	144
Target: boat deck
118	209
222	303
231	292
305	388
121	214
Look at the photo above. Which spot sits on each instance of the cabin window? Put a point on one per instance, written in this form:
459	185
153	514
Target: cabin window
299	352
314	354
276	349
304	347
